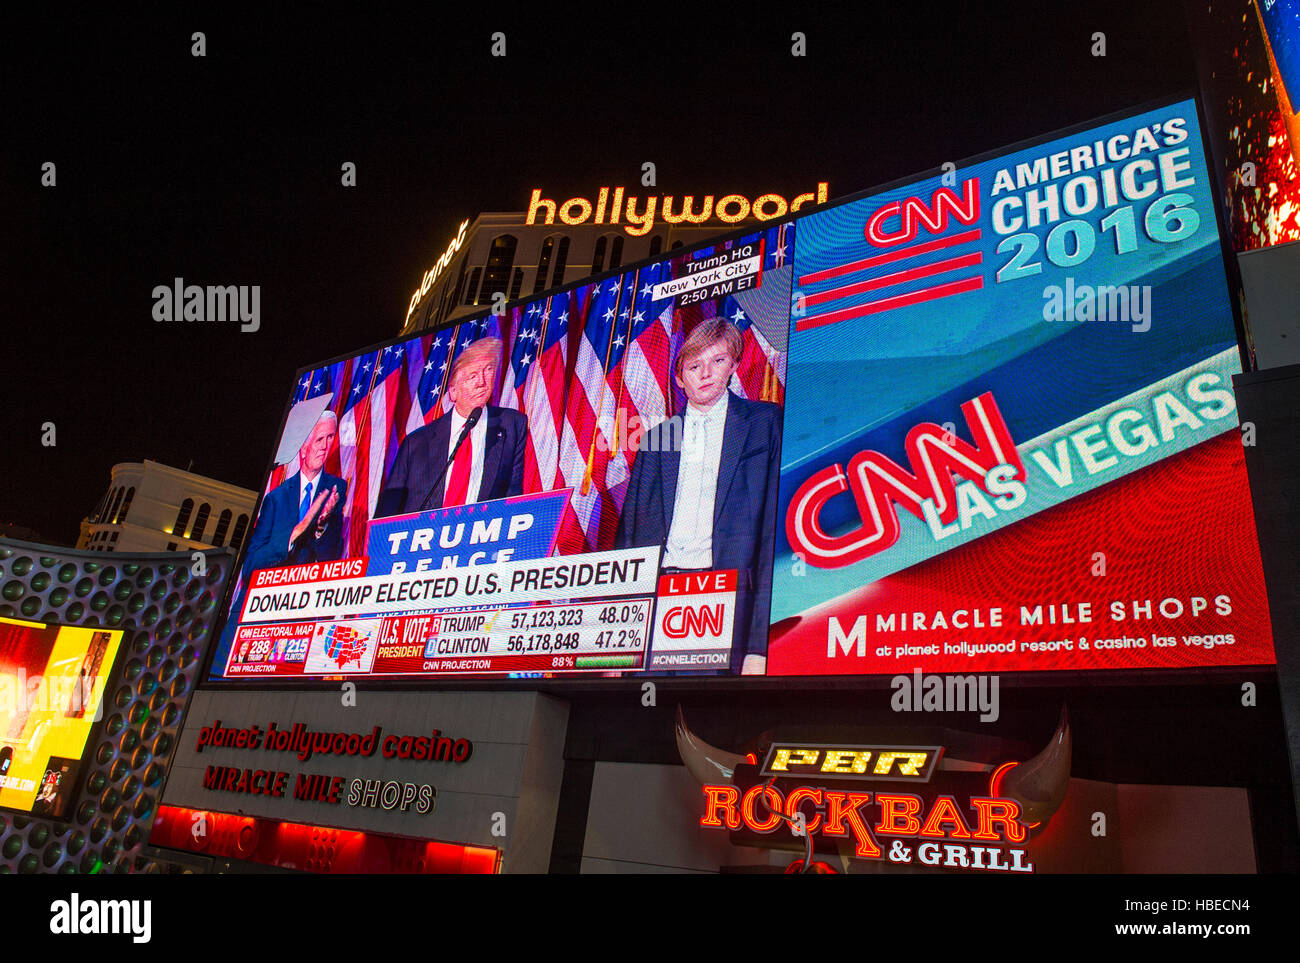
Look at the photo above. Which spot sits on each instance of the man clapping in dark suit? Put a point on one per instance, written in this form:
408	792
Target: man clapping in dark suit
488	464
708	495
301	519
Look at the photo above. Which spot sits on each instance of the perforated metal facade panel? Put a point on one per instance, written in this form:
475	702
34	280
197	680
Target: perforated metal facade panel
166	613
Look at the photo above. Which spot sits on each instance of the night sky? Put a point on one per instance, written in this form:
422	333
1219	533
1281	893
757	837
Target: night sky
225	169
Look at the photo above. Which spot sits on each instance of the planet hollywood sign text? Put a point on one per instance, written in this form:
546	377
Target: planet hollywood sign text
431	275
323	787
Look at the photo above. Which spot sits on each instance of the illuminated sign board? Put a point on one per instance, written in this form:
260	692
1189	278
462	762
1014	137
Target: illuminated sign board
431	275
852	762
52	680
879	826
305	744
638	215
956	425
1011	441
969	811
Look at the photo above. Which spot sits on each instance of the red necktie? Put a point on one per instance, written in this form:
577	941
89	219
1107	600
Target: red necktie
457	487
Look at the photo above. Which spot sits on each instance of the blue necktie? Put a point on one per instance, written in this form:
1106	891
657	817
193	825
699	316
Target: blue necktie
306	502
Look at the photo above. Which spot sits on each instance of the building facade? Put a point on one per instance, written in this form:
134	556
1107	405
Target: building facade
522	253
152	507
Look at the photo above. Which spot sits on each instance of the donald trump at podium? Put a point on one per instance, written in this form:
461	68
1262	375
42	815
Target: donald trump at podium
431	471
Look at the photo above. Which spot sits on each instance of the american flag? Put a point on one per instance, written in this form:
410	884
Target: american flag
316	383
760	374
526	322
398	385
313	384
429	387
355	450
336	380
543	395
761	371
390	408
760	314
631	323
646	372
588	427
502	327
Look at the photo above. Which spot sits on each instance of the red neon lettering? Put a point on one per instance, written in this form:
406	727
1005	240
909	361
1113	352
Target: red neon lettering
944	811
878	485
772	797
994	812
898	814
796	797
934	217
720	805
845	806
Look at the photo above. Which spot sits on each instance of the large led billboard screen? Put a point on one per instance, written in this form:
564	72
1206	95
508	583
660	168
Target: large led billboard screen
1032	459
983	419
52	680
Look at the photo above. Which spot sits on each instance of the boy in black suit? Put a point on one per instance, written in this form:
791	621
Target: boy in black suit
708	495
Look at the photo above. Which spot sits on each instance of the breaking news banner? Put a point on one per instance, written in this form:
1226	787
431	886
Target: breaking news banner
522	527
455	620
1011	440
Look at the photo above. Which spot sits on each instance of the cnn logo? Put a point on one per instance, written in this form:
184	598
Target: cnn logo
694	621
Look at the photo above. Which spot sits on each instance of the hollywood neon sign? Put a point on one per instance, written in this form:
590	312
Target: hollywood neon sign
612	207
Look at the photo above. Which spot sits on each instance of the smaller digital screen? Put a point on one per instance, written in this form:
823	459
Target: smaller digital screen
52	681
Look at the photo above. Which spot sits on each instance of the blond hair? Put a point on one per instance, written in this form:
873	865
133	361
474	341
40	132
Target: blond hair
705	336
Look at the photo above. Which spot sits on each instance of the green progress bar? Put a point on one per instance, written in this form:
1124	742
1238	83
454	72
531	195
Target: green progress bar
604	661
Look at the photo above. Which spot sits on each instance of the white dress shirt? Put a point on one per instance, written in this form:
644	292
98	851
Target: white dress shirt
478	439
690	537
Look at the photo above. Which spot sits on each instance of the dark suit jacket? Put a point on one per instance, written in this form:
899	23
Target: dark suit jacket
744	507
268	546
424	453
